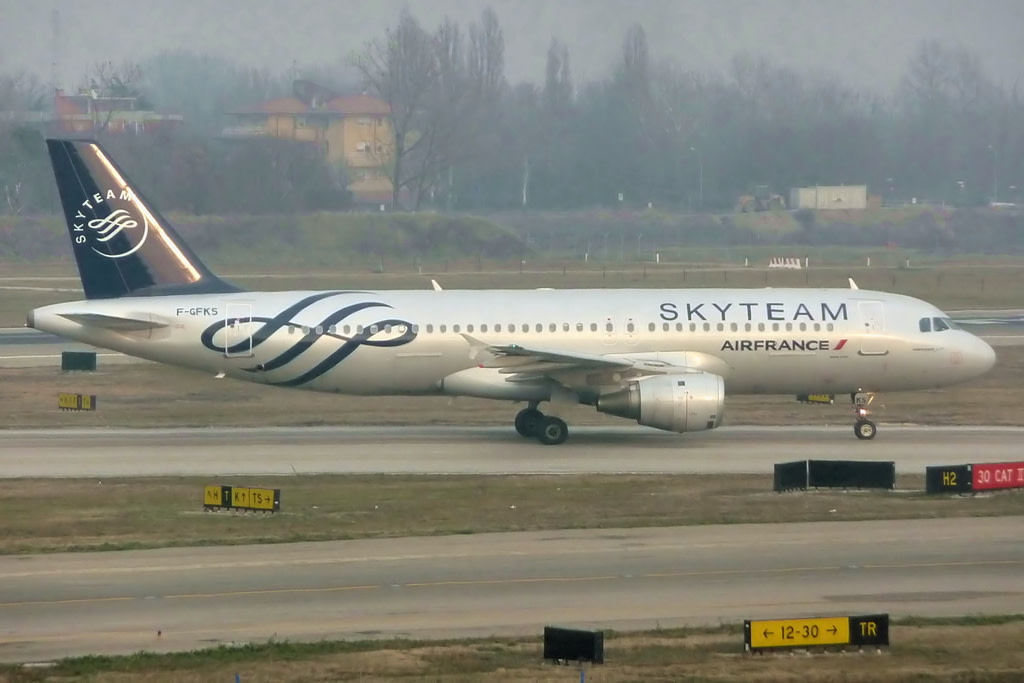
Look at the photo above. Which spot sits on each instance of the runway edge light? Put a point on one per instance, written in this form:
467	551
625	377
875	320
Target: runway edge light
769	634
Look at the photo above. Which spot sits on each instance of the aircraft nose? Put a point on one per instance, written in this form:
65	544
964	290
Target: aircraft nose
980	356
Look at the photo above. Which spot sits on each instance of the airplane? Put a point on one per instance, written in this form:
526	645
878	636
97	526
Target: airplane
664	358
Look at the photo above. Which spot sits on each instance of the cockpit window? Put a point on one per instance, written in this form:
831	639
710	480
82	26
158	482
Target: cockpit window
937	324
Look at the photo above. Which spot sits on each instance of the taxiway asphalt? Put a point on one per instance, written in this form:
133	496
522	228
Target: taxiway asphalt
516	583
481	450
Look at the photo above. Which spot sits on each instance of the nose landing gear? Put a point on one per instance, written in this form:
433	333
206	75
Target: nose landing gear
863	428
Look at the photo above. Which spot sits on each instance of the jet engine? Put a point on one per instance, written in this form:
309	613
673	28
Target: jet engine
677	403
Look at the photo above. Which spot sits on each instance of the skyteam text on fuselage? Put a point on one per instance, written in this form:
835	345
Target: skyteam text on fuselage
665	358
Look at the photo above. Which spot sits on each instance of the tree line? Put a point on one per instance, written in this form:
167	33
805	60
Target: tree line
651	131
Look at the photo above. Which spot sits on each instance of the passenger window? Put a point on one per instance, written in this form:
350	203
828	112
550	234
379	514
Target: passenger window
540	328
579	327
359	329
415	328
497	328
526	328
608	327
830	327
652	327
593	327
789	327
707	327
748	327
925	324
430	329
775	327
734	327
483	328
817	327
455	328
565	327
679	327
630	327
469	328
664	327
721	327
693	327
443	329
387	329
803	327
291	329
760	327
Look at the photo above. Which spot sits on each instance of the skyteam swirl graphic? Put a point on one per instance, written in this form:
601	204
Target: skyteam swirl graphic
313	334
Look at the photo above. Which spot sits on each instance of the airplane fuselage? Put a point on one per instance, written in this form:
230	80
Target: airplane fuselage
760	341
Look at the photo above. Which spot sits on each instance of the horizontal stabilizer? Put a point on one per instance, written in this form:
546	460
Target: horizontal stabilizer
113	322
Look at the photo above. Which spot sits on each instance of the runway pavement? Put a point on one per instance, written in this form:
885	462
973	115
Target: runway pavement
61	605
481	450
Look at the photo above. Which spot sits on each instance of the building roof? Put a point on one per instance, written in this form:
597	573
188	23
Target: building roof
359	104
311	99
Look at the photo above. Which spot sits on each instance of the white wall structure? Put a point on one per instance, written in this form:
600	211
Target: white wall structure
829	197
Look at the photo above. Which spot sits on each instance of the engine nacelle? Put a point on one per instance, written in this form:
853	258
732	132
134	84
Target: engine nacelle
677	403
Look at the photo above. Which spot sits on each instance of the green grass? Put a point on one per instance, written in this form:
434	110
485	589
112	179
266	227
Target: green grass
46	515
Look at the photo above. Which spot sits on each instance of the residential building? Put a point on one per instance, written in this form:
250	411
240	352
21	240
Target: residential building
91	112
353	132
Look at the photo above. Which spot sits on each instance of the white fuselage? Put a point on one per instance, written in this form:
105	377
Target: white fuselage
761	341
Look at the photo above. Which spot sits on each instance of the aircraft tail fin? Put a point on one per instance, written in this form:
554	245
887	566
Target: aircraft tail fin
122	245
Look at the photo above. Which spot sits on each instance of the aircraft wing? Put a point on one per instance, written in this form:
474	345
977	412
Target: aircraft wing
513	359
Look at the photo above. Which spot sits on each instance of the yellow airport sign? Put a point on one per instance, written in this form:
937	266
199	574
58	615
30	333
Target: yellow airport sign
68	401
767	633
263	499
212	496
239	497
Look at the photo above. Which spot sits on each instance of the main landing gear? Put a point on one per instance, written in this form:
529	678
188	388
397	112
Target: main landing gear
863	428
547	429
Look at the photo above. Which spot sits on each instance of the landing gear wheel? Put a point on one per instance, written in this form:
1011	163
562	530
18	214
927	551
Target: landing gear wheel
552	431
865	429
527	421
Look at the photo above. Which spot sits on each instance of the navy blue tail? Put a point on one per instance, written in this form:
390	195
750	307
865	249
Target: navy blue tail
122	244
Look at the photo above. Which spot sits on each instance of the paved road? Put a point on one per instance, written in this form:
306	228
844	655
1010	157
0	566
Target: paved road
59	605
480	450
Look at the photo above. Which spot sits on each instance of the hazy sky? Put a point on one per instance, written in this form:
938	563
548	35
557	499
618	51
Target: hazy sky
867	42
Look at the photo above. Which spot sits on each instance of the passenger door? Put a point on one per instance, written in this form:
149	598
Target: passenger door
873	341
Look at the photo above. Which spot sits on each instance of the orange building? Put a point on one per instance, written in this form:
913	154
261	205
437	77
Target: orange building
90	112
353	132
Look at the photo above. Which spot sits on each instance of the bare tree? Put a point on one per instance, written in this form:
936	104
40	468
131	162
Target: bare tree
110	81
402	70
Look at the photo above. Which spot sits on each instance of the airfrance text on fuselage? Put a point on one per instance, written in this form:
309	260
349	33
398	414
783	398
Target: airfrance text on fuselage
781	345
714	312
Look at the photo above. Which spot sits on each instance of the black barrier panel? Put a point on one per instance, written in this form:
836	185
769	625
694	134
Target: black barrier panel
851	474
948	479
790	476
78	361
872	629
572	645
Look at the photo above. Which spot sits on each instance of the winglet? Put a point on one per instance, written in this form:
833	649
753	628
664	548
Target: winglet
437	287
475	345
853	285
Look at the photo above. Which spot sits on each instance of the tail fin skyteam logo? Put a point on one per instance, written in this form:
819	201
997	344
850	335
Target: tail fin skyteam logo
105	229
